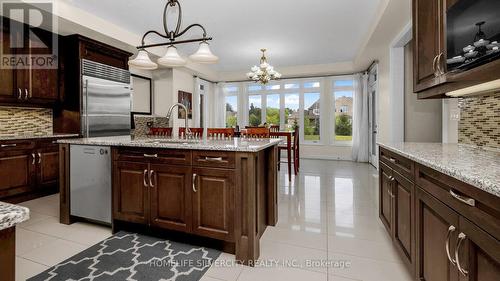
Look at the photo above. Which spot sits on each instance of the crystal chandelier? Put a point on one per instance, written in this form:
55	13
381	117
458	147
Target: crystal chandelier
264	72
172	57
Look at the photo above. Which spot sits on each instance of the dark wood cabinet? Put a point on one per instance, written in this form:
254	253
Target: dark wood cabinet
444	229
17	170
437	226
213	203
29	85
428	43
131	192
385	184
403	222
171	197
48	166
479	254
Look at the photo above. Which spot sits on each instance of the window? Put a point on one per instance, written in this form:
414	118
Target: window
342	96
231	111
291	111
311	117
254	110
273	109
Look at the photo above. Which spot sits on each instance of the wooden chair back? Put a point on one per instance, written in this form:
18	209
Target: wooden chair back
220	133
164	132
197	132
274	128
256	133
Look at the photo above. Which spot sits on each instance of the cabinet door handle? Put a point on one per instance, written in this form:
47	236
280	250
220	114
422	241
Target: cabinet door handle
461	238
440	64
25	94
217	159
144	178
194	182
8	145
434	65
151	175
151	155
19	94
39	158
469	201
33	158
390	193
451	229
392	160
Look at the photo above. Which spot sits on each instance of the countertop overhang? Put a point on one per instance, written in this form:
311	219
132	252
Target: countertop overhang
35	136
234	144
476	166
11	214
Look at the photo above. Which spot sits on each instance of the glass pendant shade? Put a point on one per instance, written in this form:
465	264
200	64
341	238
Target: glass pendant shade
171	58
142	61
204	55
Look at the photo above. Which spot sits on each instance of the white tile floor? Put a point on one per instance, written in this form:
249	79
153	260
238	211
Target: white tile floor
326	214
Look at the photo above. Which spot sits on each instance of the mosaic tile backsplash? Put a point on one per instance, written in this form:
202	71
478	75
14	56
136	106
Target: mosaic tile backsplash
25	121
480	120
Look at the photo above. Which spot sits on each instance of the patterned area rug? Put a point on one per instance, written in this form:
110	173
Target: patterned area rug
130	256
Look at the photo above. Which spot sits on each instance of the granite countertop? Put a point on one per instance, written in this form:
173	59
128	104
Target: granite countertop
10	215
234	144
473	165
35	136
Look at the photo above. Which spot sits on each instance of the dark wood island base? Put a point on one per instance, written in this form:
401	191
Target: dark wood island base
229	197
8	254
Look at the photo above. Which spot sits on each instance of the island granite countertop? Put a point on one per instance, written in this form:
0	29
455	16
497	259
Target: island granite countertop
35	136
234	144
471	164
10	215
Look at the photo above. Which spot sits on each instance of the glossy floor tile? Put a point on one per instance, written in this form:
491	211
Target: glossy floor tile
328	229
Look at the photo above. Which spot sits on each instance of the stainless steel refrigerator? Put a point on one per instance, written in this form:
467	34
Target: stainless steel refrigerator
106	100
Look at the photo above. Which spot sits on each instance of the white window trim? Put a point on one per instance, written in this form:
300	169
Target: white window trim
333	141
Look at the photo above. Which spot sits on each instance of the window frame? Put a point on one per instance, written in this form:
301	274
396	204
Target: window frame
335	89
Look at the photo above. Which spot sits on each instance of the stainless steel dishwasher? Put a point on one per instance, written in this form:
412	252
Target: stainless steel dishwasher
90	182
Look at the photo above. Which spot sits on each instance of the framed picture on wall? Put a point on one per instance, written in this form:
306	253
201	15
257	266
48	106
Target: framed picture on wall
187	100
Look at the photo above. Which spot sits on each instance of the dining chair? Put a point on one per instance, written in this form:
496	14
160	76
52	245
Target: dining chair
255	132
164	132
197	132
220	133
293	151
274	128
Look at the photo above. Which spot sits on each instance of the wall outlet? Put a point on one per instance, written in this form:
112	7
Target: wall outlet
455	115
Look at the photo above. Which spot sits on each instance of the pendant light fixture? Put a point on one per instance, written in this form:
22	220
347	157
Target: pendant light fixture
172	57
264	72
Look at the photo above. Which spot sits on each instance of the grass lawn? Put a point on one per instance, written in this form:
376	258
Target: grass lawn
311	137
343	138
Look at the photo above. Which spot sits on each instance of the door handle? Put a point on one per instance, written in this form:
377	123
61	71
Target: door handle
8	145
151	155
440	64
461	238
469	201
144	178
392	160
39	158
218	159
33	158
19	94
25	94
434	65
151	174
194	182
451	229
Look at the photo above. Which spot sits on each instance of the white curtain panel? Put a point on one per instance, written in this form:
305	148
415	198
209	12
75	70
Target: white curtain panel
219	106
360	137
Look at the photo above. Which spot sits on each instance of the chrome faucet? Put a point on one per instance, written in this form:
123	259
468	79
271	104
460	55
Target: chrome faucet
188	133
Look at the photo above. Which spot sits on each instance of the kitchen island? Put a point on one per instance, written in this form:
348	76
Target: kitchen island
10	216
221	189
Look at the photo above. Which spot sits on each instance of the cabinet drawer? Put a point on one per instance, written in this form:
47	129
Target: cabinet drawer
216	159
400	164
6	146
477	205
155	156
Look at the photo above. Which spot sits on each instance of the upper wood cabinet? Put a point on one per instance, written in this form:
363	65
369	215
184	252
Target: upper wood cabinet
431	77
28	85
428	40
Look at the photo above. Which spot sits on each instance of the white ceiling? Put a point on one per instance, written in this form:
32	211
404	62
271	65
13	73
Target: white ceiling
295	32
